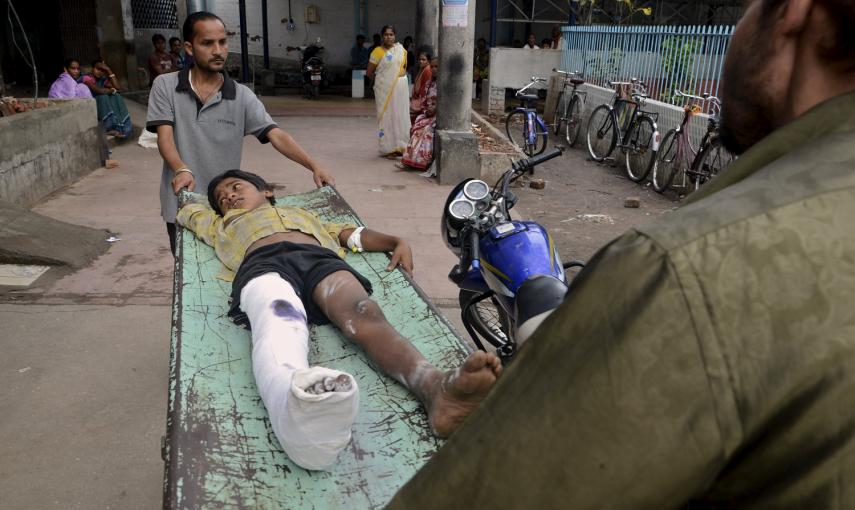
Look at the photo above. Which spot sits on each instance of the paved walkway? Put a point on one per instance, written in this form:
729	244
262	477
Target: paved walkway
86	356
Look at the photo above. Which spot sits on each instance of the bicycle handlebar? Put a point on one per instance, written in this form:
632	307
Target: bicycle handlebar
566	73
534	79
705	97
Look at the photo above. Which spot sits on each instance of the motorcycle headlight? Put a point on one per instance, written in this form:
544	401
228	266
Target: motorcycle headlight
476	190
461	209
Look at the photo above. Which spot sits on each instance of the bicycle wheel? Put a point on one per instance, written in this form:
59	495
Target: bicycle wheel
714	159
640	155
602	133
515	126
573	121
541	137
560	116
487	318
666	162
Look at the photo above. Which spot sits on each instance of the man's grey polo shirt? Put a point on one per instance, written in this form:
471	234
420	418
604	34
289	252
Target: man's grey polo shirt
208	137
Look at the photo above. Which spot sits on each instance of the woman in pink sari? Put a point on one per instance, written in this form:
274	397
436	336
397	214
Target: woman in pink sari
419	153
67	86
420	84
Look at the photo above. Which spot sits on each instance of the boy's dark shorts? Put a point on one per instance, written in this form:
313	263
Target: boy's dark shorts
301	265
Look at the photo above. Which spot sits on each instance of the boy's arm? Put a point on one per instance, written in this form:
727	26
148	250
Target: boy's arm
201	219
377	241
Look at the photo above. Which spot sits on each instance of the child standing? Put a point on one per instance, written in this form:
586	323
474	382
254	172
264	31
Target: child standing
289	271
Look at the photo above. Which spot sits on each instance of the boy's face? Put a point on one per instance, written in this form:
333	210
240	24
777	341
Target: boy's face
234	193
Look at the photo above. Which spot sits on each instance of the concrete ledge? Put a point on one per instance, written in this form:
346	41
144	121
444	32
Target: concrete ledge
495	163
46	149
30	238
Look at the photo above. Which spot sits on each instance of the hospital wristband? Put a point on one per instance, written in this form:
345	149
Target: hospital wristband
354	242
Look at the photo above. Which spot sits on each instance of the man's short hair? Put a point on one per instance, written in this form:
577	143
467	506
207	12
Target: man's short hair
173	39
189	28
67	63
256	180
157	37
360	36
837	49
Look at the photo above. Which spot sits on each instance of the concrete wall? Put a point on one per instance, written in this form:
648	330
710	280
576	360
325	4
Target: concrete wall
44	150
513	68
115	38
337	28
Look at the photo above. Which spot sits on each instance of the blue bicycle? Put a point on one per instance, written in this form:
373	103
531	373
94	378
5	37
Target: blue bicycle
524	126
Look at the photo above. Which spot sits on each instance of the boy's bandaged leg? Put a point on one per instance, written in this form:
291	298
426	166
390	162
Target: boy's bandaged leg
311	428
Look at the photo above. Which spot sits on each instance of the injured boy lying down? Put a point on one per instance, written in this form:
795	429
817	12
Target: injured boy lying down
289	272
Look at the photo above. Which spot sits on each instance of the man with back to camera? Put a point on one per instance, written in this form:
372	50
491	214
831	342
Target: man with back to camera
707	360
201	115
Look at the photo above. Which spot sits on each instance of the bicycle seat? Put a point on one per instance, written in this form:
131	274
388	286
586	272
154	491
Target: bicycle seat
528	98
577	81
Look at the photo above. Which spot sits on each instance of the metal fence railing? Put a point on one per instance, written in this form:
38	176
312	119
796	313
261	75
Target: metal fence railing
688	58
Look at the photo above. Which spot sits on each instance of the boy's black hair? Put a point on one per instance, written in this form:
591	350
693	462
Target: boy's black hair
173	39
189	28
157	37
256	180
425	50
67	63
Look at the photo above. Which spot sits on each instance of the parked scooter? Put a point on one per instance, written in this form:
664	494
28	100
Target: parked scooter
312	69
509	274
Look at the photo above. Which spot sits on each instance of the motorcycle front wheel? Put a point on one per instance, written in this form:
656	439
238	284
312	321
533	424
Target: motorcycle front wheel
487	318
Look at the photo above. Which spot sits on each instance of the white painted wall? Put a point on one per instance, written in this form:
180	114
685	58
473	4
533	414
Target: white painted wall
513	68
337	27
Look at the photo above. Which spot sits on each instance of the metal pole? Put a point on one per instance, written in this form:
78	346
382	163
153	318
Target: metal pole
264	34
244	51
494	12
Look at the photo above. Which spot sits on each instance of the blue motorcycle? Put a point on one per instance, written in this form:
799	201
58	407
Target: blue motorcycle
509	273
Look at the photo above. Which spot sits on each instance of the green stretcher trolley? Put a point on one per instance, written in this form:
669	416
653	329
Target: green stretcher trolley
219	448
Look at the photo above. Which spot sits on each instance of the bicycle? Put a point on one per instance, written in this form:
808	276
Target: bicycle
571	113
525	128
625	125
677	156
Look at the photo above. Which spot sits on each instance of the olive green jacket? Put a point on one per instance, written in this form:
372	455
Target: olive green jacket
706	361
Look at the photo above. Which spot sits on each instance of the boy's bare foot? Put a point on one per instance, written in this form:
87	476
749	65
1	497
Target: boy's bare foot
111	163
459	391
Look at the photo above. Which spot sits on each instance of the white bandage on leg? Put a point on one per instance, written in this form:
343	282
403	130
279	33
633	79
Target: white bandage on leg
312	429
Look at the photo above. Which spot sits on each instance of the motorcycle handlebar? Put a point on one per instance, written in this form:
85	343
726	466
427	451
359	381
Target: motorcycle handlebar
526	164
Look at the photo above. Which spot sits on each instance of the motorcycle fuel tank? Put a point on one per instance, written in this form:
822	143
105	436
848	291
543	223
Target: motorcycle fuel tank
514	251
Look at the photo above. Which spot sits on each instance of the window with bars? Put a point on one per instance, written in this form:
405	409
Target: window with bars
154	14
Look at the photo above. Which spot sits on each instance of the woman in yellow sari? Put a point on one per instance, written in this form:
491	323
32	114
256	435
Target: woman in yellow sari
387	66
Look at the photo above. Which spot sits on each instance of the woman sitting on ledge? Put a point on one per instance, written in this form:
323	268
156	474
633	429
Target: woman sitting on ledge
419	152
112	112
67	85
